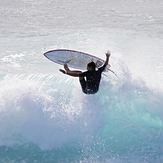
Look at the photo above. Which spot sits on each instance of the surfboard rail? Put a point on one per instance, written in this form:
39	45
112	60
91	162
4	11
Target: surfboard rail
75	58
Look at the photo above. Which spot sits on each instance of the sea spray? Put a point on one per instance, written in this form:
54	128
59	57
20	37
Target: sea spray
51	112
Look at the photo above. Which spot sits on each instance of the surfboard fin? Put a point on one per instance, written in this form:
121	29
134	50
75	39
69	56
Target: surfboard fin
113	72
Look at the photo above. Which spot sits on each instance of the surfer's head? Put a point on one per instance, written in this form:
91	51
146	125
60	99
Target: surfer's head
91	66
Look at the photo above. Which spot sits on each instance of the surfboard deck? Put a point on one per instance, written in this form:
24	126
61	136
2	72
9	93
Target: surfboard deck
74	59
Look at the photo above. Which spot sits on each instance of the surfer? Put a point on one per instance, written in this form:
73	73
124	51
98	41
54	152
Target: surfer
93	77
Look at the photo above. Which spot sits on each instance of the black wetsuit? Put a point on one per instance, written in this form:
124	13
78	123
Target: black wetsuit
91	84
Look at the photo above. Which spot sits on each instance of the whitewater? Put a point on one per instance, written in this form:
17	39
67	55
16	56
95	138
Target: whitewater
45	117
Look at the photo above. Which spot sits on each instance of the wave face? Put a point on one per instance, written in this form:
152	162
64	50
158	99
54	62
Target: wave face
47	118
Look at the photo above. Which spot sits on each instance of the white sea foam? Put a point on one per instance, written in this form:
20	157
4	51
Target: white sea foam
51	111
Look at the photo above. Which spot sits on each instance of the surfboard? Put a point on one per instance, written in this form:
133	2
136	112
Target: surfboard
74	59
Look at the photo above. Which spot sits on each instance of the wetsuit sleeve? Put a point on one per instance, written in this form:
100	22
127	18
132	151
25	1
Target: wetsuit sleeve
83	74
101	69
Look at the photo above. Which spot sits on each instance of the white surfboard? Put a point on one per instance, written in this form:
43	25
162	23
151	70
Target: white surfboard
74	59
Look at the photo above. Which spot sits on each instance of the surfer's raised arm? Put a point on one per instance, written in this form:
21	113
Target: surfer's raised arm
108	53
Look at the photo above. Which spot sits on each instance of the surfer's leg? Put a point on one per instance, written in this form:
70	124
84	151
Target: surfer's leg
83	84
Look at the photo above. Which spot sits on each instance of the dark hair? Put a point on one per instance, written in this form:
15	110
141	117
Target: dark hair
91	64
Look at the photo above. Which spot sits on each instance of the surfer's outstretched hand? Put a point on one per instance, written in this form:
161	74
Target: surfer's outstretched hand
107	57
62	71
108	53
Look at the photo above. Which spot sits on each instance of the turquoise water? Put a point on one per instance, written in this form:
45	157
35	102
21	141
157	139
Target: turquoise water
45	117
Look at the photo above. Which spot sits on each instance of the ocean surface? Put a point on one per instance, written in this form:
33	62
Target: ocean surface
45	117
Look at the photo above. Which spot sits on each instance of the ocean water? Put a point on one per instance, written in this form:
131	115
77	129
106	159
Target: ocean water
45	117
